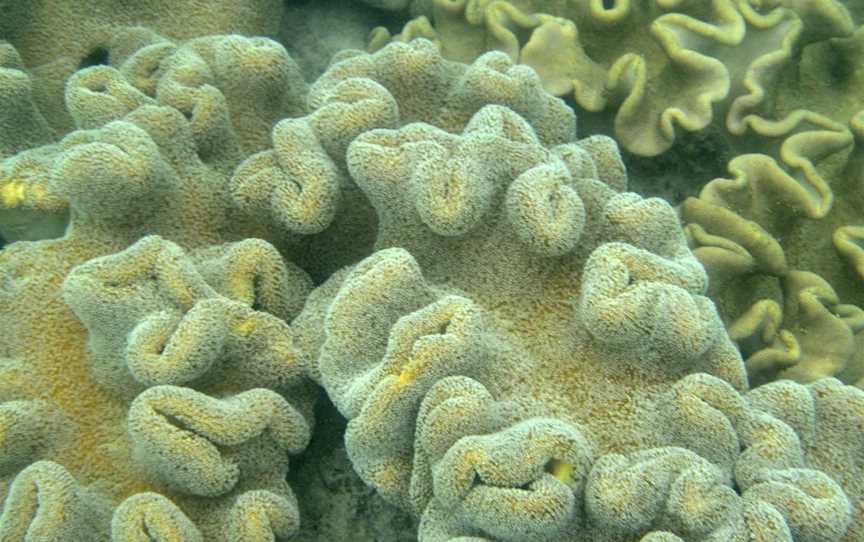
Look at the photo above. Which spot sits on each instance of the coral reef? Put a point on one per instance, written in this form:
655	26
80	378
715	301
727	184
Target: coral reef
528	353
788	225
149	376
772	231
57	38
28	211
513	345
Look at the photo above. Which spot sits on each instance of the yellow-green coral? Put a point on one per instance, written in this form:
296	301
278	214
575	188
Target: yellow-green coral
57	38
124	347
786	228
662	66
527	354
28	208
22	126
140	337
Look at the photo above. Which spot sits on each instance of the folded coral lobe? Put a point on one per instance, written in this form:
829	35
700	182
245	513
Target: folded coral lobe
150	387
530	354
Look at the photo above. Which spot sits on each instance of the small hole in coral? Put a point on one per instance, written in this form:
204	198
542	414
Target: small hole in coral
96	57
838	69
608	4
257	286
2	243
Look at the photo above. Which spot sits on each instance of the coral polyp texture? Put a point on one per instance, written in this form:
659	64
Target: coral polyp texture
151	387
529	354
28	210
523	350
57	38
660	67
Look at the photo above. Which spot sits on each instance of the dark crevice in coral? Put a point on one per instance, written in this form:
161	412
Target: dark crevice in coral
2	243
694	158
327	416
178	423
608	4
839	69
334	502
96	57
257	287
145	529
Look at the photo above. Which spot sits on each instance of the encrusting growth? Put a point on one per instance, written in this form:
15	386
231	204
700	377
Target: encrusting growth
151	387
529	353
522	348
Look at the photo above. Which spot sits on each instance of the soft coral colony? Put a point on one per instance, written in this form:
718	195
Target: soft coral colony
523	349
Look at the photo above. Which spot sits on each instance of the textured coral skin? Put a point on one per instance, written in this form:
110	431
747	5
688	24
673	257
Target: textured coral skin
569	381
523	349
155	382
661	67
297	185
28	211
57	38
21	124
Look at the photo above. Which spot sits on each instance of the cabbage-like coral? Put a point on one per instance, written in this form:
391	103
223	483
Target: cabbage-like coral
790	233
295	187
161	334
194	387
788	224
57	38
823	415
153	379
527	353
661	66
529	356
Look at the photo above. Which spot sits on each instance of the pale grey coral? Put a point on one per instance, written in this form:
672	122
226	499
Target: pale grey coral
182	393
517	356
528	352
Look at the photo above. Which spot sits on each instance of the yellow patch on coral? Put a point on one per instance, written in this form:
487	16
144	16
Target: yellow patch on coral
285	350
561	470
407	376
239	286
37	192
13	193
246	326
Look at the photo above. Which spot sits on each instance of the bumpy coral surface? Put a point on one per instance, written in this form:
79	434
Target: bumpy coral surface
529	354
28	211
660	66
523	349
150	384
55	38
